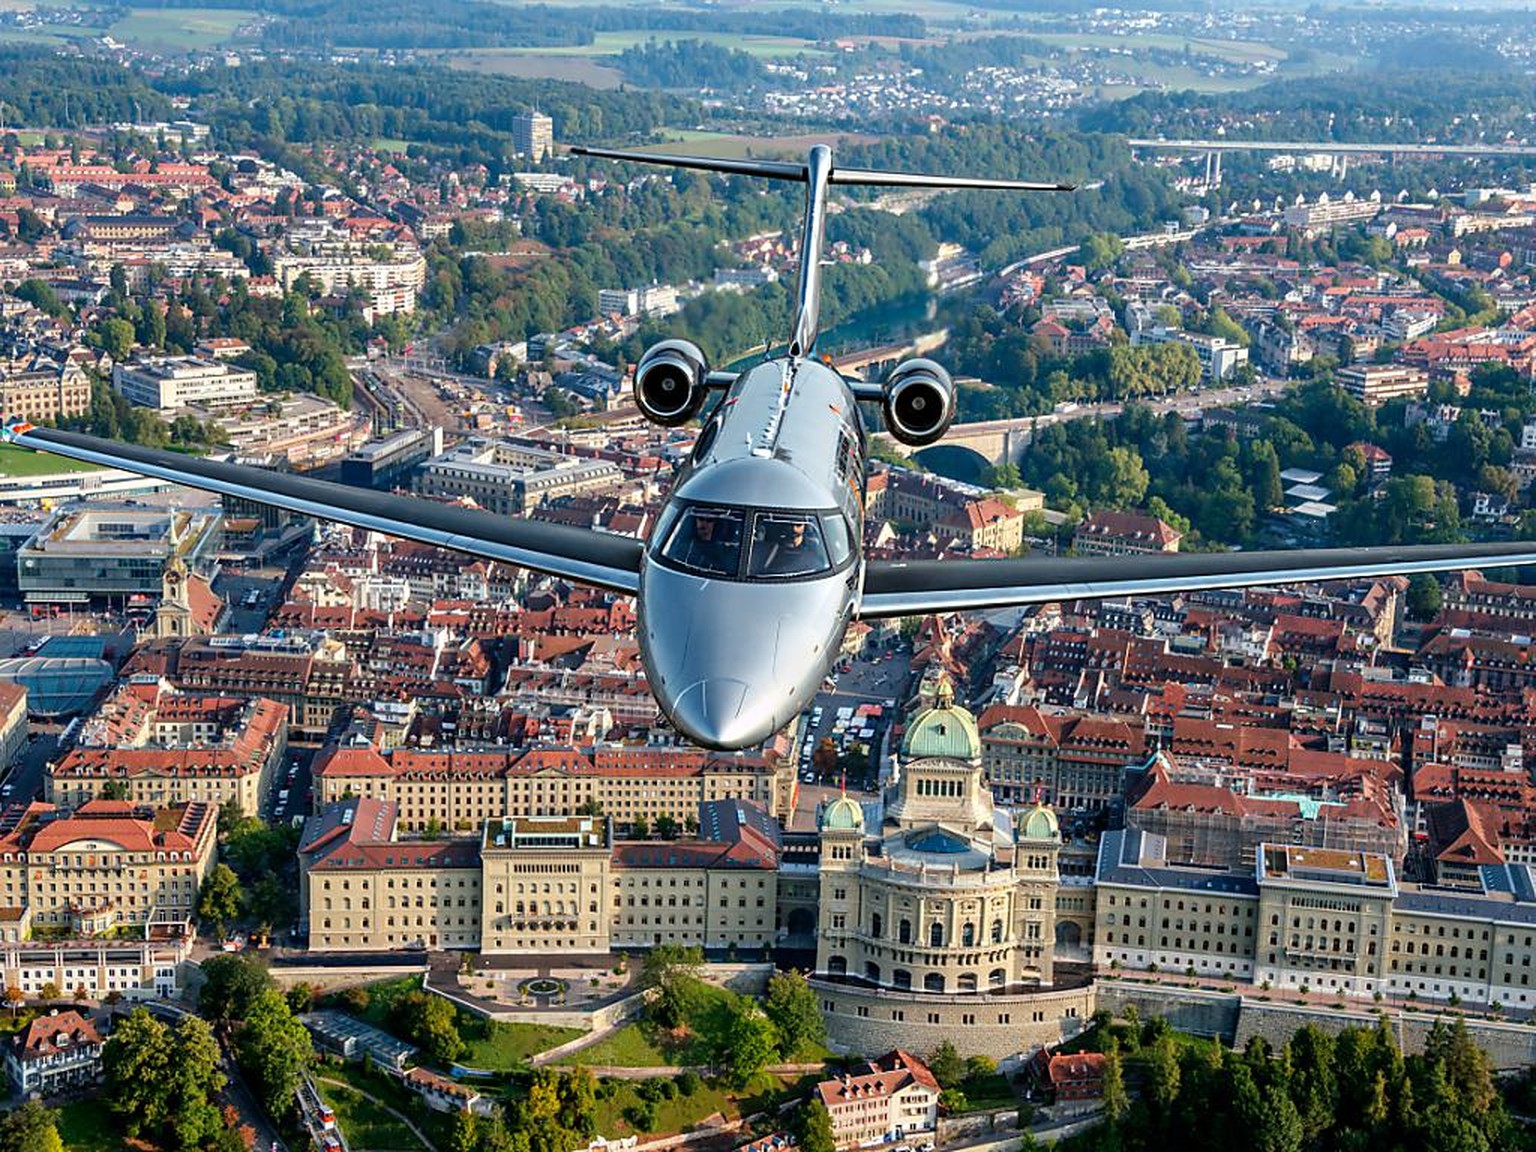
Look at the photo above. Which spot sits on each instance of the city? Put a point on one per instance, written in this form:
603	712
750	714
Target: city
315	837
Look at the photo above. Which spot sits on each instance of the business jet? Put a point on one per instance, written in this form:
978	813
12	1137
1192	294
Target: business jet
755	567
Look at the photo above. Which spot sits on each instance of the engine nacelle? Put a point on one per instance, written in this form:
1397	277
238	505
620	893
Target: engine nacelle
670	382
919	402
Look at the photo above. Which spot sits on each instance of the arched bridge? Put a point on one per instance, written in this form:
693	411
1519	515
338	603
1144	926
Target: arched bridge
991	441
873	363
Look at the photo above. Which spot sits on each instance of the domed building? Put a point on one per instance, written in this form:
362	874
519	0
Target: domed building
943	918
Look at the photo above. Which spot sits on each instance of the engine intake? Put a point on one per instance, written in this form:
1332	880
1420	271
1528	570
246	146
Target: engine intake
919	402
670	382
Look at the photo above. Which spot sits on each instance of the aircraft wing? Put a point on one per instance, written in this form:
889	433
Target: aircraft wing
918	587
584	555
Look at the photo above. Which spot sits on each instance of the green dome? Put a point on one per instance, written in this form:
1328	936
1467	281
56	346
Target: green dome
1041	824
945	730
842	815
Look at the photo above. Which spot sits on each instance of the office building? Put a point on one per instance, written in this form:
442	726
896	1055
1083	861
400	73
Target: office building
169	383
533	135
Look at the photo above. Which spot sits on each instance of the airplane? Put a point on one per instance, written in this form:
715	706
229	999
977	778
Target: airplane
755	567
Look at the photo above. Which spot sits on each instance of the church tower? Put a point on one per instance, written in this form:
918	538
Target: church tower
174	616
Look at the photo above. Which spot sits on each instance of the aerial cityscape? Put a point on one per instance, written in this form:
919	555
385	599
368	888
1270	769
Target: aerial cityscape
741	576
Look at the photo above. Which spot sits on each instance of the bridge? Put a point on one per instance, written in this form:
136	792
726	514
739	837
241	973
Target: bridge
1335	147
875	362
987	442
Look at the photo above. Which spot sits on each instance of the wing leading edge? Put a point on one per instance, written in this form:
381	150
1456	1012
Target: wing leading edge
589	557
912	588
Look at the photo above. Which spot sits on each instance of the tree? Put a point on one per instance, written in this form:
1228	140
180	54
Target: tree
640	828
218	901
163	1084
1163	1075
1116	1102
30	1128
15	998
114	789
666	826
747	1043
431	1022
231	985
274	1050
947	1066
117	337
49	991
791	1007
812	1128
670	973
1424	596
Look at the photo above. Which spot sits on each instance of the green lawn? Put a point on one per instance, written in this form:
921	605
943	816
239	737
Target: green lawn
365	1124
502	1046
672	1116
87	1126
186	29
989	1093
15	461
643	1046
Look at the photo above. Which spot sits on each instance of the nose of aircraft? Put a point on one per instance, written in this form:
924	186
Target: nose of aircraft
715	712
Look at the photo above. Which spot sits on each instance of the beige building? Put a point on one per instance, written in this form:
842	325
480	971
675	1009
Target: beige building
108	864
546	884
462	790
944	918
44	391
160	747
1375	384
892	1098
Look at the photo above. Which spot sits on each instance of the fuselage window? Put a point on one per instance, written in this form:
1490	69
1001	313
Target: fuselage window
785	545
707	541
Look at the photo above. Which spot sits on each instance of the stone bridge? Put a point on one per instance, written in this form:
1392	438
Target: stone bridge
990	442
873	363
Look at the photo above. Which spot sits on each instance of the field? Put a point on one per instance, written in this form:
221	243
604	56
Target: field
1232	51
518	62
612	43
16	461
86	1126
676	1115
182	29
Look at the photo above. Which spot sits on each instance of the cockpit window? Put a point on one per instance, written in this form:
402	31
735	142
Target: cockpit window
839	539
707	540
785	545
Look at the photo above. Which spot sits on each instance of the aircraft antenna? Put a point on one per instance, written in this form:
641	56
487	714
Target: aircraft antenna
817	174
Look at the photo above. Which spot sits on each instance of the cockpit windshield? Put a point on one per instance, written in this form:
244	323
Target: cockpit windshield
785	545
707	540
736	543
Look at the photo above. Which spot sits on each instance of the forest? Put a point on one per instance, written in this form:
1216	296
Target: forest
1350	1092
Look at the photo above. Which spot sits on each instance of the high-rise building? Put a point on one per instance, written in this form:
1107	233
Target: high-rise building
533	135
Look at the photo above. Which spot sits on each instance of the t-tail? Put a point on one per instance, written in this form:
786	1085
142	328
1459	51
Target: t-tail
817	174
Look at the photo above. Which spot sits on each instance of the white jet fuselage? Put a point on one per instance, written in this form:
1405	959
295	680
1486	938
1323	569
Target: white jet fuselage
753	571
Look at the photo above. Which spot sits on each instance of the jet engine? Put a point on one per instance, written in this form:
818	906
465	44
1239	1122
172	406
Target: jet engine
919	402
670	382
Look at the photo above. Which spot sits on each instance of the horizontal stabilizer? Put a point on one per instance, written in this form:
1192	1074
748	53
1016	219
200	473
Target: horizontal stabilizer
800	173
581	554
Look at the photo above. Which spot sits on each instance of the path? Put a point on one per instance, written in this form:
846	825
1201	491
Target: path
417	1132
629	1072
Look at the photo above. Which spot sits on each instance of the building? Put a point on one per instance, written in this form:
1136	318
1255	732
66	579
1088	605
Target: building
1324	212
388	283
533	135
717	890
463	790
1219	357
148	966
108	864
1375	384
13	721
169	383
942	918
889	1099
43	391
53	1054
512	479
114	552
1124	534
392	461
161	747
546	884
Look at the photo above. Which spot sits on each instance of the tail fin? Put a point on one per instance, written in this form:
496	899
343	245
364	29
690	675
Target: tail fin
800	173
816	173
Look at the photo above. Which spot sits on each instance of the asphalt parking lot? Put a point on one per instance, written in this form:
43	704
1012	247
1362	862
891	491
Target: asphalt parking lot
867	681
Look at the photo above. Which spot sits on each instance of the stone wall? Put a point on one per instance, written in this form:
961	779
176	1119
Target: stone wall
1189	1010
867	1022
1234	1019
